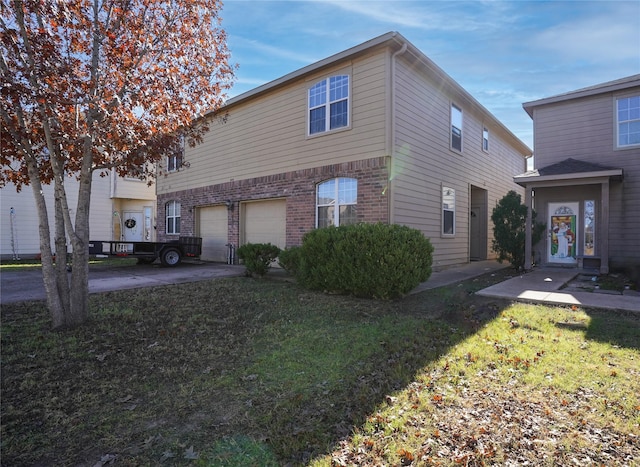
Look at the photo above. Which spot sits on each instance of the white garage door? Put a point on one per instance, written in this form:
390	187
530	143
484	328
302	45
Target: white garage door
265	222
212	224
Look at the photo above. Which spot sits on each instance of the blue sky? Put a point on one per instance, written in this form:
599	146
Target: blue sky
503	52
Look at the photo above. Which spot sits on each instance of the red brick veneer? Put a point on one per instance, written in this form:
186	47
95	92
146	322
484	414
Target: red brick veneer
297	187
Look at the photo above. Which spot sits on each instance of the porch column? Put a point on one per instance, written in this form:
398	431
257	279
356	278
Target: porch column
528	198
604	231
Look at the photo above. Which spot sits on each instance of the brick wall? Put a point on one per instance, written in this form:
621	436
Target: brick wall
297	187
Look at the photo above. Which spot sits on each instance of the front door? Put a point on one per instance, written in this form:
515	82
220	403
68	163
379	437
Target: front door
563	233
133	227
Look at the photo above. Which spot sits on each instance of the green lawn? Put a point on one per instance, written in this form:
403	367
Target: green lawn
260	372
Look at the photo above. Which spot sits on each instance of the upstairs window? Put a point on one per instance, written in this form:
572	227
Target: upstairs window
337	202
174	160
628	121
485	140
173	217
456	128
448	211
329	104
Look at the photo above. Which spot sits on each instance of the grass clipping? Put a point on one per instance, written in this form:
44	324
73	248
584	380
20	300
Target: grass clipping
246	372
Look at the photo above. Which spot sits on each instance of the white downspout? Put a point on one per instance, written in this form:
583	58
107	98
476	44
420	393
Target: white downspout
392	150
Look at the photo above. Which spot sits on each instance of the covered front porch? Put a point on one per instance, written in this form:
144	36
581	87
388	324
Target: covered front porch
573	199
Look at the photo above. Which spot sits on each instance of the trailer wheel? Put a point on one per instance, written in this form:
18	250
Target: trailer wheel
170	257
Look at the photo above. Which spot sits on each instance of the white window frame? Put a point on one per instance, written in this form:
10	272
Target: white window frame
172	212
336	202
448	206
454	111
630	116
485	139
326	102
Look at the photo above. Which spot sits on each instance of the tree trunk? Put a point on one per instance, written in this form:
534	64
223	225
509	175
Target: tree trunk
49	276
79	311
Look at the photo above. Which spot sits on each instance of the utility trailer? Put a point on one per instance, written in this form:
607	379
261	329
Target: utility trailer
170	253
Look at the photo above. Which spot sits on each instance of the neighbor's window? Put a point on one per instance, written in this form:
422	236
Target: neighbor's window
173	217
628	121
337	202
485	139
456	127
589	227
138	173
448	211
329	104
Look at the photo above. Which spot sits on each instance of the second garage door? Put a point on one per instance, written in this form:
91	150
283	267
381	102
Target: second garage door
212	226
265	222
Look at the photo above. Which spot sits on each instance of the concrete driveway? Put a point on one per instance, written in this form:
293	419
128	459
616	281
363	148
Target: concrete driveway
16	286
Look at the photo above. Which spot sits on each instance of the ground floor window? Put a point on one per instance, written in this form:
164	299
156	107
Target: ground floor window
173	217
448	211
336	202
589	227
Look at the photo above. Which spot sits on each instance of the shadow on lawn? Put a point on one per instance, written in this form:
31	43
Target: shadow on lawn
229	372
624	331
311	422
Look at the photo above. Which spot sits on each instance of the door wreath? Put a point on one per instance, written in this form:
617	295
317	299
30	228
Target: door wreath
130	223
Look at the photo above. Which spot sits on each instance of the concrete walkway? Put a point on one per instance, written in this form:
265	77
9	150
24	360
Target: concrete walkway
459	273
544	285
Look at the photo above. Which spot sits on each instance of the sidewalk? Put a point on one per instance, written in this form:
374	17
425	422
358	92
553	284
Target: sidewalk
544	285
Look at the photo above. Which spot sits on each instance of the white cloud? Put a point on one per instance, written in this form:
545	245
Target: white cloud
612	34
261	49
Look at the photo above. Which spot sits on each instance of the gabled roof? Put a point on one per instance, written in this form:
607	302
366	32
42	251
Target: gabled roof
568	169
395	41
609	86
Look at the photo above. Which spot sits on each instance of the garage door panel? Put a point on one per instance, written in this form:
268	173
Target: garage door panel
265	222
213	230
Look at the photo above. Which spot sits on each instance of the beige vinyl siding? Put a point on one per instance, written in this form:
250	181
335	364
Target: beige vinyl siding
424	163
588	134
133	189
27	217
586	131
268	134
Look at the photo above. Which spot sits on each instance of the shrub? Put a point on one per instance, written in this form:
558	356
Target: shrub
367	260
289	259
257	257
509	223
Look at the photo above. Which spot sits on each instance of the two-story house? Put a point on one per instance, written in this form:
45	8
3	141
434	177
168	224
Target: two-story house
587	189
122	208
376	133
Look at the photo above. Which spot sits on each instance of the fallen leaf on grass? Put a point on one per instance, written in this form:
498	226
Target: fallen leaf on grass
190	454
406	458
104	460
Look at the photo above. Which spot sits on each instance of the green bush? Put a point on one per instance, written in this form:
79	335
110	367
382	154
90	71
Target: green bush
367	260
289	259
257	257
509	229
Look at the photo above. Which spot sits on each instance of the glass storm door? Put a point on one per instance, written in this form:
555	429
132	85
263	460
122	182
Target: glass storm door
563	232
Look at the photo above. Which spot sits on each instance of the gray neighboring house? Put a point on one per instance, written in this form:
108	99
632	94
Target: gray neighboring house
587	186
376	133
